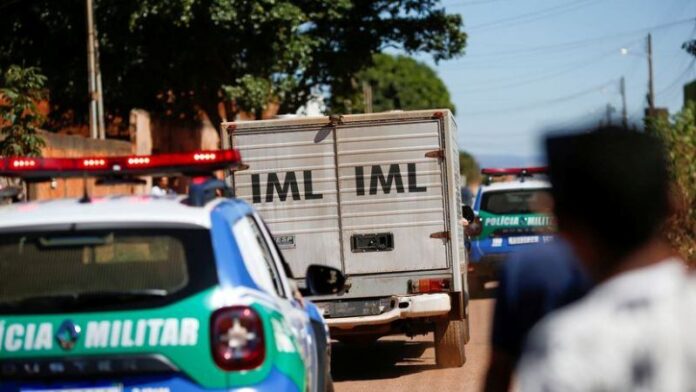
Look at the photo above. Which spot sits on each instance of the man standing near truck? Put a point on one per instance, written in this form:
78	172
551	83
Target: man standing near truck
634	331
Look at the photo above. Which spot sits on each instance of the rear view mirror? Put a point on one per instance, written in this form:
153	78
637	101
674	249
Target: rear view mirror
468	213
323	280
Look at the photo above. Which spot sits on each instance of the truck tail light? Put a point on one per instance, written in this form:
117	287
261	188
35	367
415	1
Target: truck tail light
236	338
422	286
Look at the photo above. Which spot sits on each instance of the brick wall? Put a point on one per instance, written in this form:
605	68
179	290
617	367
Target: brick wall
68	146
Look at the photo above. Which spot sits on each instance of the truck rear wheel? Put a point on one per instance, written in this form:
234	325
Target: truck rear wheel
449	343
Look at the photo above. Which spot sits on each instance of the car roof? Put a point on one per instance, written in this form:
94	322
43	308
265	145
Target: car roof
528	183
165	210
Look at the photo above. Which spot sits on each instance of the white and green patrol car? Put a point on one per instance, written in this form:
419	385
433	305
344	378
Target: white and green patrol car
507	218
147	293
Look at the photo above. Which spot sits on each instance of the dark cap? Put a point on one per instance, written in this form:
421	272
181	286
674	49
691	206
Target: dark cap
612	181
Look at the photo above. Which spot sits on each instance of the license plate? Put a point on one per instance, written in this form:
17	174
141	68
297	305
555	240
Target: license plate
533	239
92	389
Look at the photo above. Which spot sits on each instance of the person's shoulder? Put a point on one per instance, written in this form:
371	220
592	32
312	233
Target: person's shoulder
542	263
571	326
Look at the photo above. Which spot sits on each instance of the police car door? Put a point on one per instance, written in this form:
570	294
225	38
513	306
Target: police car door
296	320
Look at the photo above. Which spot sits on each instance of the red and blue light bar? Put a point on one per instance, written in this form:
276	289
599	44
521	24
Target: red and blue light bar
193	163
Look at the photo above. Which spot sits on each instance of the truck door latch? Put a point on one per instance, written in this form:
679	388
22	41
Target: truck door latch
375	242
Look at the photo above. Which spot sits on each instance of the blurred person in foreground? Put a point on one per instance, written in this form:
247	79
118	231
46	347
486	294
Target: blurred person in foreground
531	283
633	331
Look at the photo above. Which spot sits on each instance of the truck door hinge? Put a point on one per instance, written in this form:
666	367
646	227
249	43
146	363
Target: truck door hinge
443	235
335	120
439	154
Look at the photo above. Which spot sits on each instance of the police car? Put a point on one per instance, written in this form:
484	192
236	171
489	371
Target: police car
147	293
509	215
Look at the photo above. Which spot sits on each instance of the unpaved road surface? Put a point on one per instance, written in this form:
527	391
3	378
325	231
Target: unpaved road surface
404	365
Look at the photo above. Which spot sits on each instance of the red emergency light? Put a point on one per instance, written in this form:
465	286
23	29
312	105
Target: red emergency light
514	171
191	163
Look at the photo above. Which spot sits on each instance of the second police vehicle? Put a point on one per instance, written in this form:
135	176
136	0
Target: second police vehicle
510	214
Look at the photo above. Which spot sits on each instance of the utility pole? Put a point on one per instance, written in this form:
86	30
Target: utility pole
101	127
367	96
651	89
92	70
624	113
610	110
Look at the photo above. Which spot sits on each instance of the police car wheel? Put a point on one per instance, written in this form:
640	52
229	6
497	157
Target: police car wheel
449	343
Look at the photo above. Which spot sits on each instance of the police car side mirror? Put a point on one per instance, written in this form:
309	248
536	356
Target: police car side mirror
468	213
324	280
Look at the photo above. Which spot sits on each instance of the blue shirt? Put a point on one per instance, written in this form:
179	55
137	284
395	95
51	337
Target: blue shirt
532	283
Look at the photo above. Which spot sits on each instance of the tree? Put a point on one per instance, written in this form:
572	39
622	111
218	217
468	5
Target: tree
690	47
397	83
469	167
679	137
177	58
20	91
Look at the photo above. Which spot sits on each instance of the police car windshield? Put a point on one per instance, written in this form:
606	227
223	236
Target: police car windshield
104	266
513	201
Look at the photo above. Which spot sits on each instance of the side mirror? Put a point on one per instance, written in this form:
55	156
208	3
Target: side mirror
468	213
323	280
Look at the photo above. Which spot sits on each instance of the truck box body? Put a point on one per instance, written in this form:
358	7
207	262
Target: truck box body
376	195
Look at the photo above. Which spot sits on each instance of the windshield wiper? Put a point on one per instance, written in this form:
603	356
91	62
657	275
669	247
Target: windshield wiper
91	297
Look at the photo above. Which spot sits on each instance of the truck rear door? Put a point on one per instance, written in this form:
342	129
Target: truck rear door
291	180
391	195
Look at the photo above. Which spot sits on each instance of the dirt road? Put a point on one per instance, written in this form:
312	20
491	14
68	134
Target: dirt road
401	364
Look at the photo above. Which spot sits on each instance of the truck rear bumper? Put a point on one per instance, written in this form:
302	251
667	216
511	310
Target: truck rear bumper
417	306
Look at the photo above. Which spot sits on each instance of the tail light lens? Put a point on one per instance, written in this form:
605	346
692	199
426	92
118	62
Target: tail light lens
236	338
421	286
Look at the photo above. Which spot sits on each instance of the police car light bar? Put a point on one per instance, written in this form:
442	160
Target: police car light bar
193	163
515	171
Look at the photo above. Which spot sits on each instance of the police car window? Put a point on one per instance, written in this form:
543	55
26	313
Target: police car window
257	256
90	262
518	201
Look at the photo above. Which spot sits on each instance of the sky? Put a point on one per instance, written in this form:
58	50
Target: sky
537	65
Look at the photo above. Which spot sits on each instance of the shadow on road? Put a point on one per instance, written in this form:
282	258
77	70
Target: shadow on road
483	294
380	360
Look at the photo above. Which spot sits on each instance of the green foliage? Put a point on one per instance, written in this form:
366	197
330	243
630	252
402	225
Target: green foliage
690	47
174	56
397	82
20	91
679	137
469	167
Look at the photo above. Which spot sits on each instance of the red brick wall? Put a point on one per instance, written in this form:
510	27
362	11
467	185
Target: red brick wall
76	146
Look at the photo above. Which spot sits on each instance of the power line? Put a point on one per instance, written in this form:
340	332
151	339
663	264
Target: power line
533	16
565	46
689	70
474	2
516	82
548	102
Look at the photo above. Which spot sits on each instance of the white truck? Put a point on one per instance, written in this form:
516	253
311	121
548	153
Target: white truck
376	195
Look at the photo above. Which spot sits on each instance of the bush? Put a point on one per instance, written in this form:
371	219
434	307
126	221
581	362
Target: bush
679	137
20	91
